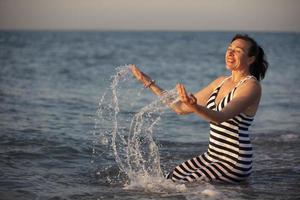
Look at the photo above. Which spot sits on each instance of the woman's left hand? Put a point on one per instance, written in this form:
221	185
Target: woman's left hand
139	75
189	100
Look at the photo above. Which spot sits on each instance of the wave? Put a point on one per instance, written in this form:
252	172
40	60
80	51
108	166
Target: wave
23	154
276	136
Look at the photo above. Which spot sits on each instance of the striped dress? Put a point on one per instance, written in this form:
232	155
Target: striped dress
229	155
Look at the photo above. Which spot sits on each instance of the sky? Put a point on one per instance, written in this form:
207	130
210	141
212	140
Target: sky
182	15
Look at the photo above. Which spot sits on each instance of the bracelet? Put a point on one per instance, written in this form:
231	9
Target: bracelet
149	84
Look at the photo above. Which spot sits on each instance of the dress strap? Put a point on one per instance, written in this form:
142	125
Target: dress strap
245	79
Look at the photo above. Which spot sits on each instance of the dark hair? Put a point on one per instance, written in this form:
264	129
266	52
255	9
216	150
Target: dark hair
259	67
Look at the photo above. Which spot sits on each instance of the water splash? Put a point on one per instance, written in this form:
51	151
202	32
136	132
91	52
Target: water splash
129	137
132	144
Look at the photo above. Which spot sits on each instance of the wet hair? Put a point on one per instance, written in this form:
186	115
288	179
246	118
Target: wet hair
260	65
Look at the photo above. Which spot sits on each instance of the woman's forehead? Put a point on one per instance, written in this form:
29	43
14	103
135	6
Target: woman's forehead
240	43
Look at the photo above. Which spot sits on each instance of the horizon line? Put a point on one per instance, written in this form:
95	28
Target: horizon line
141	30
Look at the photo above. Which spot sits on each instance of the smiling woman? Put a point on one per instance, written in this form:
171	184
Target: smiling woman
252	56
229	104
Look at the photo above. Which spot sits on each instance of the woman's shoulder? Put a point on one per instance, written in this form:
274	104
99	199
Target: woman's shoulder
251	85
252	82
218	81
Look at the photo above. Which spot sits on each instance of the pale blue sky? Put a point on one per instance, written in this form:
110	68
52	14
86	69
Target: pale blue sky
215	15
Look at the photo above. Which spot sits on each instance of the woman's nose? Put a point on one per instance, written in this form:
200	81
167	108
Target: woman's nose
230	52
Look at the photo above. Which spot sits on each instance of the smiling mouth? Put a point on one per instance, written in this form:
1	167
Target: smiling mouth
230	60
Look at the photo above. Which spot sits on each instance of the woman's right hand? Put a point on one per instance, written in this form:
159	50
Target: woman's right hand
139	75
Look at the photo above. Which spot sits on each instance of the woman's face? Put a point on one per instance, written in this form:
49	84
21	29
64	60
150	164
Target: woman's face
236	57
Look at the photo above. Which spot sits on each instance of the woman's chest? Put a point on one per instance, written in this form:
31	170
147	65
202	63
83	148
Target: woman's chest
223	92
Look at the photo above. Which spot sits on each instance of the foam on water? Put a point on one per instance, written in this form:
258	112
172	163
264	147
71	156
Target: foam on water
167	188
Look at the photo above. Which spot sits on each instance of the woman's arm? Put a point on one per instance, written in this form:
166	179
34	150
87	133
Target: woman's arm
178	107
201	96
245	96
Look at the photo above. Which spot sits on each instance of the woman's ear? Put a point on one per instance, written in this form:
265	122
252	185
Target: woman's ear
251	60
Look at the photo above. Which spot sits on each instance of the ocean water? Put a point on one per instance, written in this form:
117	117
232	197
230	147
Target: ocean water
74	124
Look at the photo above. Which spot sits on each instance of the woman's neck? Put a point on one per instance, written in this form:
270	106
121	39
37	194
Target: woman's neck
237	76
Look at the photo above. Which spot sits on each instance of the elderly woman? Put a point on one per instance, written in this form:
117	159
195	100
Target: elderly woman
229	104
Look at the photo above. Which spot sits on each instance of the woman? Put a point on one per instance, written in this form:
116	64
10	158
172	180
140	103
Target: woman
229	104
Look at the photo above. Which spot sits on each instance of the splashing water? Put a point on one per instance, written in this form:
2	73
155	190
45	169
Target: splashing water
129	136
132	144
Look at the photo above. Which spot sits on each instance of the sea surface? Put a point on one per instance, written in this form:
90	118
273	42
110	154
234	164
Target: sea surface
74	124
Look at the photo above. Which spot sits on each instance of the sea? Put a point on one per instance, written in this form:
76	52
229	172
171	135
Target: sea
75	124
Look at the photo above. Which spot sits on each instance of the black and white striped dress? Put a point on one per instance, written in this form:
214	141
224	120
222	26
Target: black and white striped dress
229	155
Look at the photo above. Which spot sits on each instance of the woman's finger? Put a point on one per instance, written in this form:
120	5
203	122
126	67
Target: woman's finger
178	88
179	91
186	97
183	90
134	69
193	99
184	94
